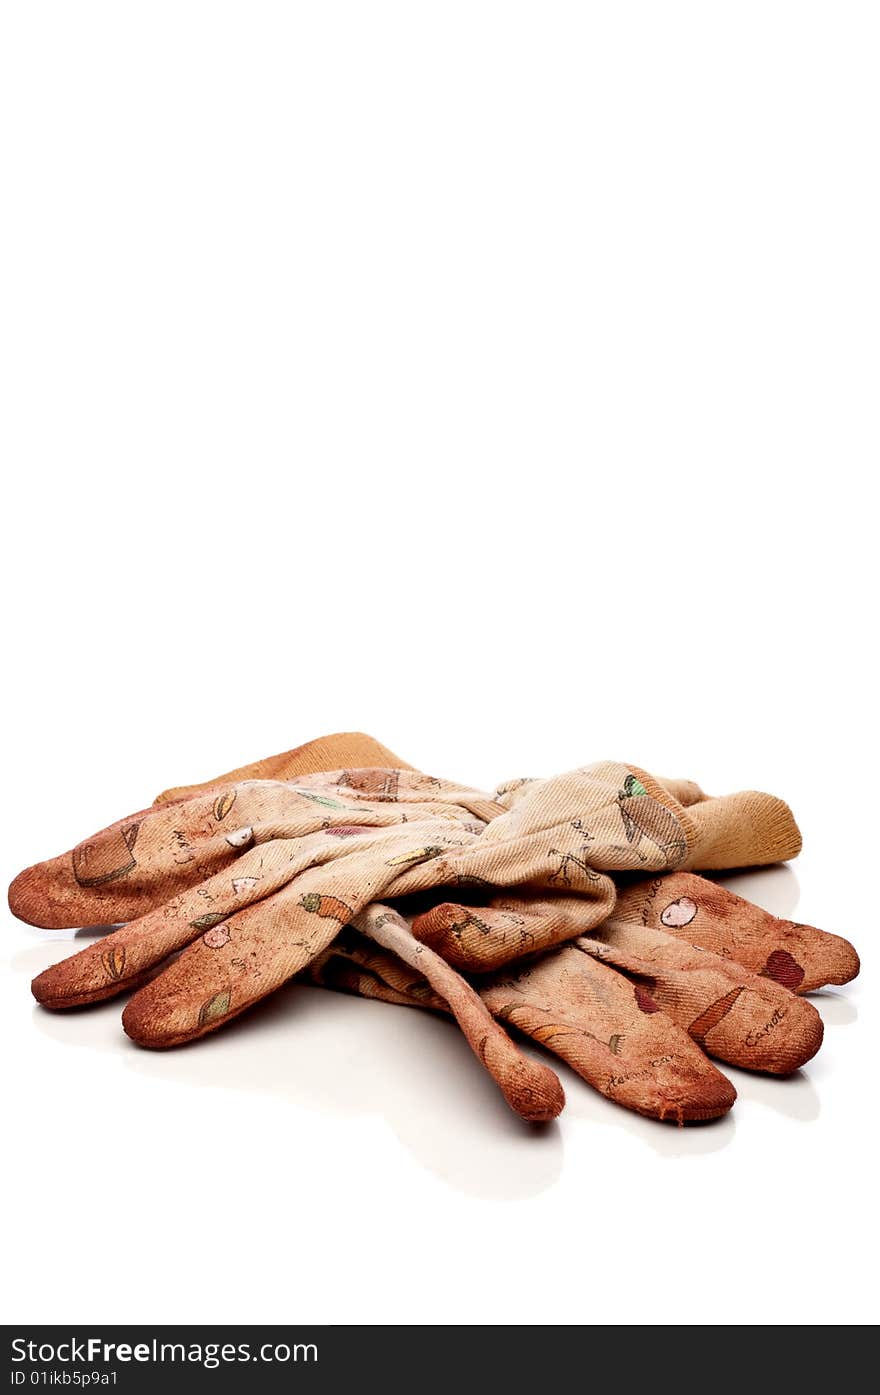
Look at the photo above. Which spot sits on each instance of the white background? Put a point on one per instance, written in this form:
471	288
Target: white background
500	379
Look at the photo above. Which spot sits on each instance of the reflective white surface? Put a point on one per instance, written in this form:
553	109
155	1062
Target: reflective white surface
323	1153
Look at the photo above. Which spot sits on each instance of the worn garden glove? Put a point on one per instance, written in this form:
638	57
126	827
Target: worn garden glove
633	1007
267	867
107	880
573	830
590	1004
112	966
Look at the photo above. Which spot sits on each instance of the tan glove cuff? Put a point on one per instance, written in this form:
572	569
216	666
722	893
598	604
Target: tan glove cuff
749	829
353	749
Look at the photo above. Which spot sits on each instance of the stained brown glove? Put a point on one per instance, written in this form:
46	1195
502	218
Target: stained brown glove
311	856
636	1006
581	1008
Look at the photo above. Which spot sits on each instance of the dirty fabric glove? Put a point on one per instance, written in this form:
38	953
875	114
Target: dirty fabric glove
668	823
746	829
313	854
636	1009
749	828
530	1088
262	873
707	915
694	991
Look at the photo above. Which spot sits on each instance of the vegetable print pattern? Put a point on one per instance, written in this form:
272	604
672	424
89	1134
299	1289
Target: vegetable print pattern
312	856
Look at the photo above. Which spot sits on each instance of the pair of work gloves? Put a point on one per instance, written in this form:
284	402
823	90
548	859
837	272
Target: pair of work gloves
565	908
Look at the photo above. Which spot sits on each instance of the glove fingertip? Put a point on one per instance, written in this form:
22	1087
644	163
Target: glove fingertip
27	898
844	963
142	1025
45	988
535	1093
